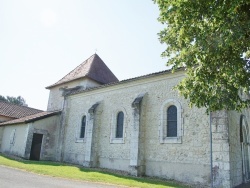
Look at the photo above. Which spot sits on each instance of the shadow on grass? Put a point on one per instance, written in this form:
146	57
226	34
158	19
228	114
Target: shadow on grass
117	174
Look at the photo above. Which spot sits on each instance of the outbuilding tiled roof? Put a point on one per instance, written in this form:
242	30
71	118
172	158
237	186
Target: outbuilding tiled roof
30	118
16	111
93	68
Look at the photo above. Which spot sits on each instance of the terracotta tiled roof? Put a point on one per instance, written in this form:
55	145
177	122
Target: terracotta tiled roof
93	68
30	118
16	111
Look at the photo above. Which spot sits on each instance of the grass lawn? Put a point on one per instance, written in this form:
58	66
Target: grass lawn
86	174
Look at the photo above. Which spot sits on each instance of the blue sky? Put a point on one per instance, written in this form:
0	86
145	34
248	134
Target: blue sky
42	40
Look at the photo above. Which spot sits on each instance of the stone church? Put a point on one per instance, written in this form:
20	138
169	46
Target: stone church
139	125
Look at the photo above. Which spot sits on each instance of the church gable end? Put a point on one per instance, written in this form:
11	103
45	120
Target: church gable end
91	73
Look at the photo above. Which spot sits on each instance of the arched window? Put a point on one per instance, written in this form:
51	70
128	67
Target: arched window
119	125
172	121
83	127
171	127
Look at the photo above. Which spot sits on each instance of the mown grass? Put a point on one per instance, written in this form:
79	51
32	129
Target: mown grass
85	174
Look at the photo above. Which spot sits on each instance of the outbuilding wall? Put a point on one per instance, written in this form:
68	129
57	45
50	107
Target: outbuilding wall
14	139
17	138
49	127
1	136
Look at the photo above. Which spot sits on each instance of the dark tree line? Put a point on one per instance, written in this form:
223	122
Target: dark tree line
14	100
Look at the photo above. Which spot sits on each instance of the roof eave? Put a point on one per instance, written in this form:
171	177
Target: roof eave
8	123
54	85
128	80
43	117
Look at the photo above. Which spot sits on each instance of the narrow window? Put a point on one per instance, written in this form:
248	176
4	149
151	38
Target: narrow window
172	121
83	126
119	125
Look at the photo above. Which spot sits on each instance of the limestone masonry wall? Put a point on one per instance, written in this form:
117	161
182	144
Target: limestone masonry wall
235	149
55	101
186	161
221	156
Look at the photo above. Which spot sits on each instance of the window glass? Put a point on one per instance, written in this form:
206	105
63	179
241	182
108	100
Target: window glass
172	121
119	125
83	126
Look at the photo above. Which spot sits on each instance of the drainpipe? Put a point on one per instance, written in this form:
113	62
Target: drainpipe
211	149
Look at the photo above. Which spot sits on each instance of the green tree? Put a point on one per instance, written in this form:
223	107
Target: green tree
2	98
14	100
211	39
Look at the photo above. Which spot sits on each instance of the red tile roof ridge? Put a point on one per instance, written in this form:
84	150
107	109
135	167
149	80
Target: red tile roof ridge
16	111
31	118
20	105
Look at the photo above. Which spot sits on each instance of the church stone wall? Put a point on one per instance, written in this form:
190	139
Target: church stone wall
236	164
188	161
73	149
55	101
235	149
221	148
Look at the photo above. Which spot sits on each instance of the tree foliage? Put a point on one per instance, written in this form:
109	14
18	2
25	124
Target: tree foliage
14	100
211	39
